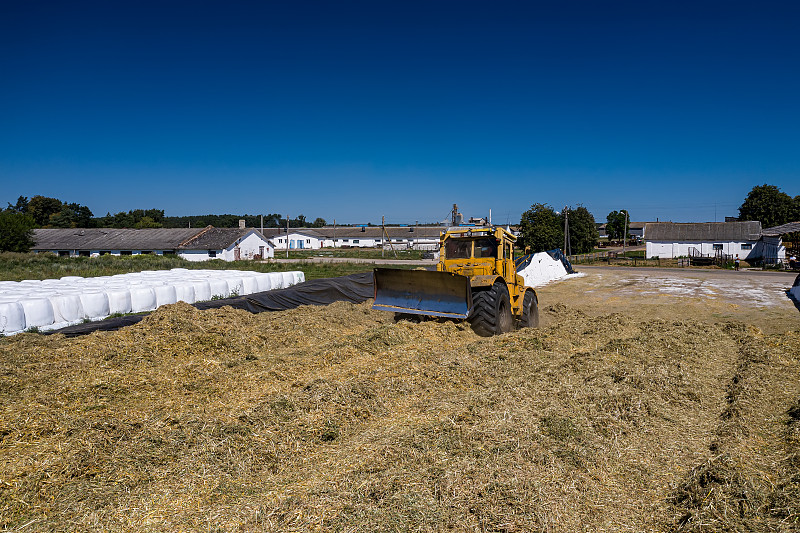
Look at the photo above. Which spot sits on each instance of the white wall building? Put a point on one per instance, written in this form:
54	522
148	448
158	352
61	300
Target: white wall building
709	239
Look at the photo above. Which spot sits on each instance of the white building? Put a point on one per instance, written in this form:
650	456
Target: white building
228	244
711	239
403	237
198	244
296	239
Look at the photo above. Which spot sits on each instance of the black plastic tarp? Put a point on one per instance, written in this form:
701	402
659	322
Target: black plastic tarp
354	288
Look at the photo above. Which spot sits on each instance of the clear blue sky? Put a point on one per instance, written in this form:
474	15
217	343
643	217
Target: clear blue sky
354	110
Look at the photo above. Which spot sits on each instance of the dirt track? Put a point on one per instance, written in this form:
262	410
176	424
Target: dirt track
752	297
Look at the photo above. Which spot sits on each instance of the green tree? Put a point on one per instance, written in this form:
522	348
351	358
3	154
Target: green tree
768	205
16	232
21	205
617	222
72	216
41	207
318	223
583	232
146	222
541	229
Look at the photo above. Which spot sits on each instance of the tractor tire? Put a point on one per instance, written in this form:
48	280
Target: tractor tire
491	311
530	311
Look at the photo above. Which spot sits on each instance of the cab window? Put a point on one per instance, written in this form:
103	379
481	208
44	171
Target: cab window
458	249
485	248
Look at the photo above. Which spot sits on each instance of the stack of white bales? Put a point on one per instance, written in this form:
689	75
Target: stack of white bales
56	303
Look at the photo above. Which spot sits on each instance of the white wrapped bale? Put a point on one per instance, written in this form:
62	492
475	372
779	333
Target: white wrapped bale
67	308
202	290
184	292
264	282
142	299
119	300
95	305
235	285
249	284
165	294
38	312
219	288
12	317
277	280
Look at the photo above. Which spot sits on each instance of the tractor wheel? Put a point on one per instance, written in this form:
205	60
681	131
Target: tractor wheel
530	311
491	311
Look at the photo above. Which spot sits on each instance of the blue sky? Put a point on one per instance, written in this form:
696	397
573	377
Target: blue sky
356	110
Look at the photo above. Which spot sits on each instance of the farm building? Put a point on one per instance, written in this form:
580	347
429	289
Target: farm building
711	239
297	238
635	229
198	244
416	237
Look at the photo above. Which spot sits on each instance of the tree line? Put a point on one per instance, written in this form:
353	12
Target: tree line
541	227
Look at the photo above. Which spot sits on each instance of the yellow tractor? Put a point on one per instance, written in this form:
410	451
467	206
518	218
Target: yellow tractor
475	279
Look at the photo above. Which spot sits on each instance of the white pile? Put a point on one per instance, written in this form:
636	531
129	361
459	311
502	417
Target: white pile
542	270
57	303
794	292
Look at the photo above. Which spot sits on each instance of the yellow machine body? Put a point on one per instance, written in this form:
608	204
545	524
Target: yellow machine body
475	270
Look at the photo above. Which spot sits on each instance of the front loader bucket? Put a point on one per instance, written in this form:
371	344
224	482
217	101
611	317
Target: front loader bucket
422	292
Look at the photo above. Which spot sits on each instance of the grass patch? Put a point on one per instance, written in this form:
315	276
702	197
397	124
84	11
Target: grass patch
17	267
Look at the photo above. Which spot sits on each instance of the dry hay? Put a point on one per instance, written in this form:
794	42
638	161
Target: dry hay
339	419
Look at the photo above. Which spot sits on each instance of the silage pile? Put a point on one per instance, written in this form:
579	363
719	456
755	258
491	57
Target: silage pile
336	418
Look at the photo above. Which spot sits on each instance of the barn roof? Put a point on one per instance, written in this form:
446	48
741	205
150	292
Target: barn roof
783	229
703	231
110	238
212	238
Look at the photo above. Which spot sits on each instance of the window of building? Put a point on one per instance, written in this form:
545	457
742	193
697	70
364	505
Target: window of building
747	246
355	241
84	253
212	253
63	253
169	252
308	241
125	252
105	252
717	247
345	240
147	252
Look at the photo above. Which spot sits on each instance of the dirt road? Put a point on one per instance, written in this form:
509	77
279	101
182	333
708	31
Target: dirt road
755	297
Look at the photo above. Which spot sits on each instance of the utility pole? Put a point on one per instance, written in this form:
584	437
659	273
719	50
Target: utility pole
624	233
567	241
386	236
334	233
287	236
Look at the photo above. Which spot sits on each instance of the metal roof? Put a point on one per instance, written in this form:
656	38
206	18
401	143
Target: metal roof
783	229
111	239
703	231
216	238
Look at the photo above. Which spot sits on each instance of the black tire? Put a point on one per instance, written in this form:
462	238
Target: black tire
530	310
491	311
